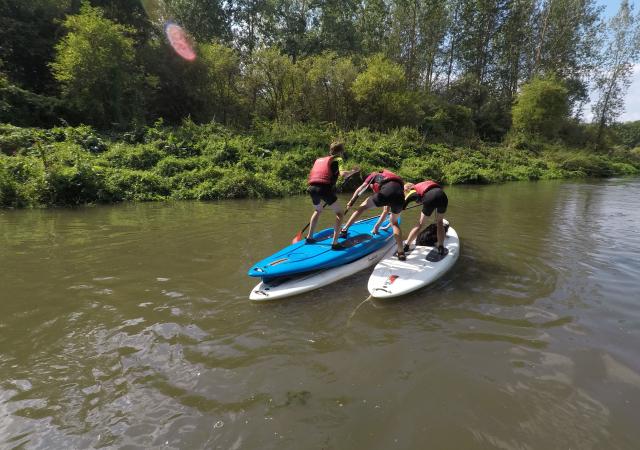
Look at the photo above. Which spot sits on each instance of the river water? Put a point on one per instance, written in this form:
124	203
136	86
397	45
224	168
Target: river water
129	326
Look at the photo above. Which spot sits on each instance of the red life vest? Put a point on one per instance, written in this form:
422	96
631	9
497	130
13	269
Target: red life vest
379	178
321	171
425	186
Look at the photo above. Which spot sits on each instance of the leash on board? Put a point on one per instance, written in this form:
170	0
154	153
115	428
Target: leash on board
353	313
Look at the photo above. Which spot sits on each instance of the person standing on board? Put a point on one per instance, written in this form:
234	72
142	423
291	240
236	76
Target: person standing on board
388	192
322	187
431	195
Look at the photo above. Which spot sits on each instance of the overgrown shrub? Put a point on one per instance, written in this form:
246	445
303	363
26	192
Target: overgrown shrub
209	162
13	139
69	186
138	157
541	108
127	184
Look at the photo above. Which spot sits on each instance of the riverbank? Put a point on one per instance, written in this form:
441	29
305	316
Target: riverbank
76	165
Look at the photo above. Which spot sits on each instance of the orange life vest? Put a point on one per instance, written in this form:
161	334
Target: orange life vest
380	178
321	171
425	186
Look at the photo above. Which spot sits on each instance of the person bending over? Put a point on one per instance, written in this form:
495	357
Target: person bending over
388	193
431	195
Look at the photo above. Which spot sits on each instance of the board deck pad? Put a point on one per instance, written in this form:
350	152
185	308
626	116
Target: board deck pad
289	286
355	240
302	257
435	256
424	265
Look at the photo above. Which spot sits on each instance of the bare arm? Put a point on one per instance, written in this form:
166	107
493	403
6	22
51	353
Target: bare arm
363	187
381	219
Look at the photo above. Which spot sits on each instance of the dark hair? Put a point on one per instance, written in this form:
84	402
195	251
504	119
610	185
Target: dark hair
336	147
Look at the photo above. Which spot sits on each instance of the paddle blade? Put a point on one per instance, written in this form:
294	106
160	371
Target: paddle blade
297	238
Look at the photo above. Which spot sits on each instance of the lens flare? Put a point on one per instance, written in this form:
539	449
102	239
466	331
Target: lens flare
179	41
176	35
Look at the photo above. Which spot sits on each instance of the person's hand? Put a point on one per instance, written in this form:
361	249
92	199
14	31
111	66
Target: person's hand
374	231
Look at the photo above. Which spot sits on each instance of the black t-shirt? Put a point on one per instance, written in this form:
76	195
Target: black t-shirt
335	171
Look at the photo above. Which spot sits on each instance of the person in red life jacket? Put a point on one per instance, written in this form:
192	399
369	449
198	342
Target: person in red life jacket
431	195
388	193
322	187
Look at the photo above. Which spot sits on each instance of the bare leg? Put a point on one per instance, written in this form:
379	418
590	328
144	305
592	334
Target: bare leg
440	226
314	220
397	232
413	234
362	208
339	216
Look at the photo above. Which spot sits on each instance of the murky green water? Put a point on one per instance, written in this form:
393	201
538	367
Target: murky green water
129	326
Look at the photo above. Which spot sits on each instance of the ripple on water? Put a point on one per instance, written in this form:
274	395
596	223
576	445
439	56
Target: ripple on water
528	343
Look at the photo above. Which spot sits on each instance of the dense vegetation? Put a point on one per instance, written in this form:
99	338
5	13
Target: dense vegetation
459	90
69	166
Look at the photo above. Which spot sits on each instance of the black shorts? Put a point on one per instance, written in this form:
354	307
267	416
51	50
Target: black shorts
324	192
434	199
391	194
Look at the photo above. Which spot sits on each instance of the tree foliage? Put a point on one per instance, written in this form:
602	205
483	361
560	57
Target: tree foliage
96	68
374	63
613	75
382	94
541	108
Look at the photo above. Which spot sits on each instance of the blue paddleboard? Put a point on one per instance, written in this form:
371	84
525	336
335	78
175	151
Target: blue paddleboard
302	257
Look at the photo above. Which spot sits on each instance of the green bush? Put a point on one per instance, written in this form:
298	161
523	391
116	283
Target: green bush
86	137
69	186
171	165
418	169
449	122
14	139
127	184
589	165
139	157
621	168
208	162
9	196
462	172
541	108
521	141
222	153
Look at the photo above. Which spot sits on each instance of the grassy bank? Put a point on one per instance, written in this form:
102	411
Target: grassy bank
71	166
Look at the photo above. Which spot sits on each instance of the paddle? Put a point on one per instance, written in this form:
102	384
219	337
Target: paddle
298	236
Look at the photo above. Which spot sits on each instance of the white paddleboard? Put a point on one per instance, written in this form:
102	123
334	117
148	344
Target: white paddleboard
295	285
393	278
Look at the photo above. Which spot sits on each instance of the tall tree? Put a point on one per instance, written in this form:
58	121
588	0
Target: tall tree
513	42
95	65
337	26
372	22
206	20
416	38
381	91
566	44
481	20
273	81
252	23
327	91
292	21
613	76
28	33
